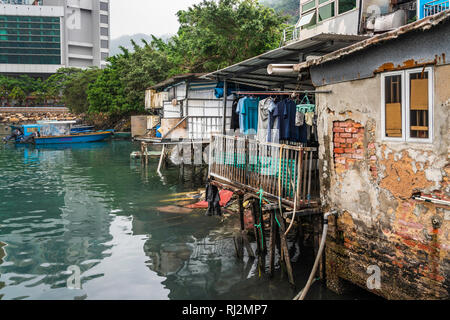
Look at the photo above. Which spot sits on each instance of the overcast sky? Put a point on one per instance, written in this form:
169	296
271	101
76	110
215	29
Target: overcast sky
146	16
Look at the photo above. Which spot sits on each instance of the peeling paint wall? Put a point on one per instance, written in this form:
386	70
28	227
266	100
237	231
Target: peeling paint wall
372	181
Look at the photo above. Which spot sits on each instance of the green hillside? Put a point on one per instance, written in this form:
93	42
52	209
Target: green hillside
290	8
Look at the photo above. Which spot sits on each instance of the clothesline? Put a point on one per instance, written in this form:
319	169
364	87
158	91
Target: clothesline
281	93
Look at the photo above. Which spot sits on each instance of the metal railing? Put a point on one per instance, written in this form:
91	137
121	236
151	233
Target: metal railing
202	127
291	33
434	7
277	170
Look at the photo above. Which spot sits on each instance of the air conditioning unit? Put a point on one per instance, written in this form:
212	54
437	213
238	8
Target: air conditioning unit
387	22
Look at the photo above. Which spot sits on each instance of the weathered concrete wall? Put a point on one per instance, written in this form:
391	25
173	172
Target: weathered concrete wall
372	181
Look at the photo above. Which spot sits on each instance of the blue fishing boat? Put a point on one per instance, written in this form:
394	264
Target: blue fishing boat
54	132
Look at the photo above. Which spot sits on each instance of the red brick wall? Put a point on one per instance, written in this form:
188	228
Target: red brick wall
348	144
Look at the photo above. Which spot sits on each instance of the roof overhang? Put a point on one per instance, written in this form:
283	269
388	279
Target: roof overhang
253	71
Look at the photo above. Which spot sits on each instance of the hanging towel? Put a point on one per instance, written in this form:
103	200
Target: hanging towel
309	118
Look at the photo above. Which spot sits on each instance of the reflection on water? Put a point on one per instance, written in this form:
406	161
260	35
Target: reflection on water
90	206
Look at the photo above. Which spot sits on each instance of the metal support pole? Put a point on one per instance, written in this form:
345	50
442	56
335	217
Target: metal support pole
225	97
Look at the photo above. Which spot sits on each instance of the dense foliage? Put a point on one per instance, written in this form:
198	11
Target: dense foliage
213	34
120	88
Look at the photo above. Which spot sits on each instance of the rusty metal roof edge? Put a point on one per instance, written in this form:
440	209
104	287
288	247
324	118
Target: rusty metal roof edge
423	24
177	78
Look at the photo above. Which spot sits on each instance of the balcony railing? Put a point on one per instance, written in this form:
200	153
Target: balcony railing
434	7
291	33
278	170
22	2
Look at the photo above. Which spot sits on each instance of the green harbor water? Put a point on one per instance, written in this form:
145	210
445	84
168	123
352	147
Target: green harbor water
92	207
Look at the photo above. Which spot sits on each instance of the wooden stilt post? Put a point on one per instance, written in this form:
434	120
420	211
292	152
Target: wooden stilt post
243	239
255	229
316	237
161	159
146	154
142	152
273	230
285	250
301	235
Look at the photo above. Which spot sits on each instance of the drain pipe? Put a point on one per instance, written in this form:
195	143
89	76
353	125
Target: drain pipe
302	294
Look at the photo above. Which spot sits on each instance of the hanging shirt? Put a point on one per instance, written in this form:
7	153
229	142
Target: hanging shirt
249	113
288	130
264	109
239	108
273	134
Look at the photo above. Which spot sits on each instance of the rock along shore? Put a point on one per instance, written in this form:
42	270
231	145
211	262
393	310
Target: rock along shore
32	117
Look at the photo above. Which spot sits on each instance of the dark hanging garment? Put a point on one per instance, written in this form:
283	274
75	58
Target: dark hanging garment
282	123
291	131
234	116
303	133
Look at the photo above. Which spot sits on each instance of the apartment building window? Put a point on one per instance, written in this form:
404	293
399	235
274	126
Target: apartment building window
104	19
326	11
346	5
308	18
407	105
104	6
104	31
308	6
105	56
104	44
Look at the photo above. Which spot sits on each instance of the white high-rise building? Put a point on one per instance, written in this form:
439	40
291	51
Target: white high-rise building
37	37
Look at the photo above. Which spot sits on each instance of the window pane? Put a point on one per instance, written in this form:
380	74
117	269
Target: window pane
393	106
308	6
419	108
104	6
323	1
30	40
104	31
346	5
327	11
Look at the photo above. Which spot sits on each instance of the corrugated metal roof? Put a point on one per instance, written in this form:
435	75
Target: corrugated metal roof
423	24
253	71
176	79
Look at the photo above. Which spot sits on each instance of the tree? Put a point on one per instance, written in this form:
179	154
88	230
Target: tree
56	83
75	91
18	95
120	88
216	34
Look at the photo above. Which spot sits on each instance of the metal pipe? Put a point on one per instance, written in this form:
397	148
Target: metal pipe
302	294
274	69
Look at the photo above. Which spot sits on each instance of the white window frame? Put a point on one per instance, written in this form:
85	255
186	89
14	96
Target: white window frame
383	105
406	90
430	104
